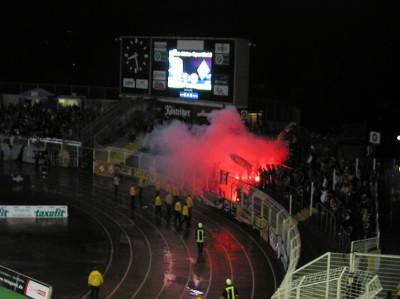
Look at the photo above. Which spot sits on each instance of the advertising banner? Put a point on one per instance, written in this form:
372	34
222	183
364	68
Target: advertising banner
133	171
103	168
24	285
33	212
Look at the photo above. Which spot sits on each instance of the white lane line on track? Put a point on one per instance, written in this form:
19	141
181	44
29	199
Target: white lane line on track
244	252
187	250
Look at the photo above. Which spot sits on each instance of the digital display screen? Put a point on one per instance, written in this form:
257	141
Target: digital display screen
190	69
189	95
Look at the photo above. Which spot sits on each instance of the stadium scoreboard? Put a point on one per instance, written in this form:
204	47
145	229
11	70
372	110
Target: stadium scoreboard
192	69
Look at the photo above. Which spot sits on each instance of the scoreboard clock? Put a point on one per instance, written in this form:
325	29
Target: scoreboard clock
136	56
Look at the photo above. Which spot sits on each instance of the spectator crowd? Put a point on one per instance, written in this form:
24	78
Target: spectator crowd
342	187
40	120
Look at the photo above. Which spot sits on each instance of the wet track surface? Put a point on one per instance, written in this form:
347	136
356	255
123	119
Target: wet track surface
140	257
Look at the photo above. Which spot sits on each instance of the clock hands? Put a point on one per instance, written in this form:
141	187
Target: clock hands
135	57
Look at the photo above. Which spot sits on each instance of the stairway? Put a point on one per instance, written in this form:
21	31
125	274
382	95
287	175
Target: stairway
136	145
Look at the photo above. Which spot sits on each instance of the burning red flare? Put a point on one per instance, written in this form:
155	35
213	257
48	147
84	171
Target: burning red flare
191	156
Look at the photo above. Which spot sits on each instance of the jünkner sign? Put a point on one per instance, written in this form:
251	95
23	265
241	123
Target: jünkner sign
33	212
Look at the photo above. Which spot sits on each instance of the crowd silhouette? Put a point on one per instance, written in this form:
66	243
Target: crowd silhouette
41	120
344	187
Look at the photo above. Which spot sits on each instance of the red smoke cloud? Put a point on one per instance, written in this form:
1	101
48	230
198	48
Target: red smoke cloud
195	154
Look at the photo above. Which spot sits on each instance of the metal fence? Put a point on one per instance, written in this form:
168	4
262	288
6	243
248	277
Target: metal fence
332	275
385	266
301	206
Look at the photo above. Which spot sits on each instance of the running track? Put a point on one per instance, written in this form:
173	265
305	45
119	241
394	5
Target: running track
139	257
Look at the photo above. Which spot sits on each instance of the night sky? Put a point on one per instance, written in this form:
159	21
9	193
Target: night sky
335	60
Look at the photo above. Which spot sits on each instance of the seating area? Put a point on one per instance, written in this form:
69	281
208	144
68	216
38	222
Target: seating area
40	120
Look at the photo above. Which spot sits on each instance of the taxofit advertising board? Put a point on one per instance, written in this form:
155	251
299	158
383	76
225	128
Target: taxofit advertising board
33	211
195	69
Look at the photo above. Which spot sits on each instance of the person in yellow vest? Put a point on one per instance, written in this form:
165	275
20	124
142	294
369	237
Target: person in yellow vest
168	203
189	202
200	238
230	291
398	291
185	215
132	194
158	207
177	211
95	281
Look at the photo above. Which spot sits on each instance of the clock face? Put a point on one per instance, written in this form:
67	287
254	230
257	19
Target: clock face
135	55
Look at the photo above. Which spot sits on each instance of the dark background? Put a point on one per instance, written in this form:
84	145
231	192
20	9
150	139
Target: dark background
337	61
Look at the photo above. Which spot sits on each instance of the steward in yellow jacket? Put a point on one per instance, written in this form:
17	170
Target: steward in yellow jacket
95	280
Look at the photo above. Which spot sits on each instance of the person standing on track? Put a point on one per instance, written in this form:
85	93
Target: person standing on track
200	238
185	215
95	281
177	211
230	291
189	202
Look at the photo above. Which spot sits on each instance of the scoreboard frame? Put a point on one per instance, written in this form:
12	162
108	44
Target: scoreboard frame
185	68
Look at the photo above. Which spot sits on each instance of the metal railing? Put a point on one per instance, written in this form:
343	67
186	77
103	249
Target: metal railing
332	275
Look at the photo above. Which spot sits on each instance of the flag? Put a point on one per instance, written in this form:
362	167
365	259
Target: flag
242	162
285	131
223	178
